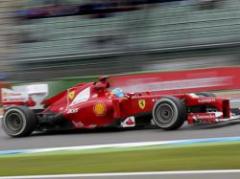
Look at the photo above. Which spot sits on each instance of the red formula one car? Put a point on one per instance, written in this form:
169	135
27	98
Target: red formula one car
96	104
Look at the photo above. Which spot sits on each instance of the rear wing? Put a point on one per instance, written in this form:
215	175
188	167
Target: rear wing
29	95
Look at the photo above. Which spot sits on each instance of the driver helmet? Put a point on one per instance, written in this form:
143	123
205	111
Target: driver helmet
118	92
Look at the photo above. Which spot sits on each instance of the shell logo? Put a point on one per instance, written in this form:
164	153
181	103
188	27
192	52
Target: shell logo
99	109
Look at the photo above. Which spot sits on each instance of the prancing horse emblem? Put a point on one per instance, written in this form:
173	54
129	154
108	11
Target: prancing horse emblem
71	94
141	103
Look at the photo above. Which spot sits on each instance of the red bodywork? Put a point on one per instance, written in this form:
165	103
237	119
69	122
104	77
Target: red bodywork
96	104
99	107
102	104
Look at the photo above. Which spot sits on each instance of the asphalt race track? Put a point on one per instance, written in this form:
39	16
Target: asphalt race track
108	136
78	138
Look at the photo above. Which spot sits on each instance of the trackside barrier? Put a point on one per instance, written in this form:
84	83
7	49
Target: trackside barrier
197	80
209	79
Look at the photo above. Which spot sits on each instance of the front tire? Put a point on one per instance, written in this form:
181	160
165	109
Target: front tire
19	121
169	113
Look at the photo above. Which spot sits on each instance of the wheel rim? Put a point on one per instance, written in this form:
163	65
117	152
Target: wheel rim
165	115
14	122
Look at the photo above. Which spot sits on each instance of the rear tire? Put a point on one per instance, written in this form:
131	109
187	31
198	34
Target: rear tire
19	121
169	113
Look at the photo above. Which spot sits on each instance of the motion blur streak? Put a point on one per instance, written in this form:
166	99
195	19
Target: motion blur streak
41	40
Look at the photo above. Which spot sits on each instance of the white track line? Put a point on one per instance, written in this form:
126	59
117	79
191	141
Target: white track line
196	172
121	145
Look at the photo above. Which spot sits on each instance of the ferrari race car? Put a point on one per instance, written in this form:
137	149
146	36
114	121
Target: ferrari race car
96	104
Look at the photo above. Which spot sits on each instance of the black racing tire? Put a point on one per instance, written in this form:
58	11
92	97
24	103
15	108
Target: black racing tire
19	121
205	94
169	113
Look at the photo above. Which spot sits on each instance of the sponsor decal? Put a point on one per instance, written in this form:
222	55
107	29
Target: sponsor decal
206	116
12	96
78	124
218	114
206	100
99	109
141	103
72	110
203	118
129	122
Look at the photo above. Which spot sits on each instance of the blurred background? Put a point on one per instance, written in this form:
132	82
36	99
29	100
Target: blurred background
48	39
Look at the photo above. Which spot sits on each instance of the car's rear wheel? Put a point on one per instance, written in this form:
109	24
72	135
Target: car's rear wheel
19	121
169	113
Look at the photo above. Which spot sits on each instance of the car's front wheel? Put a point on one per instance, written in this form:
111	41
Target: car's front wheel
169	113
19	121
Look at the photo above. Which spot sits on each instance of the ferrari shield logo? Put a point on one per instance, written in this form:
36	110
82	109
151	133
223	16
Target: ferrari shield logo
141	103
71	95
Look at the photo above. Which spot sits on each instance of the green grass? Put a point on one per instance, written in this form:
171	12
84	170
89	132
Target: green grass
221	156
